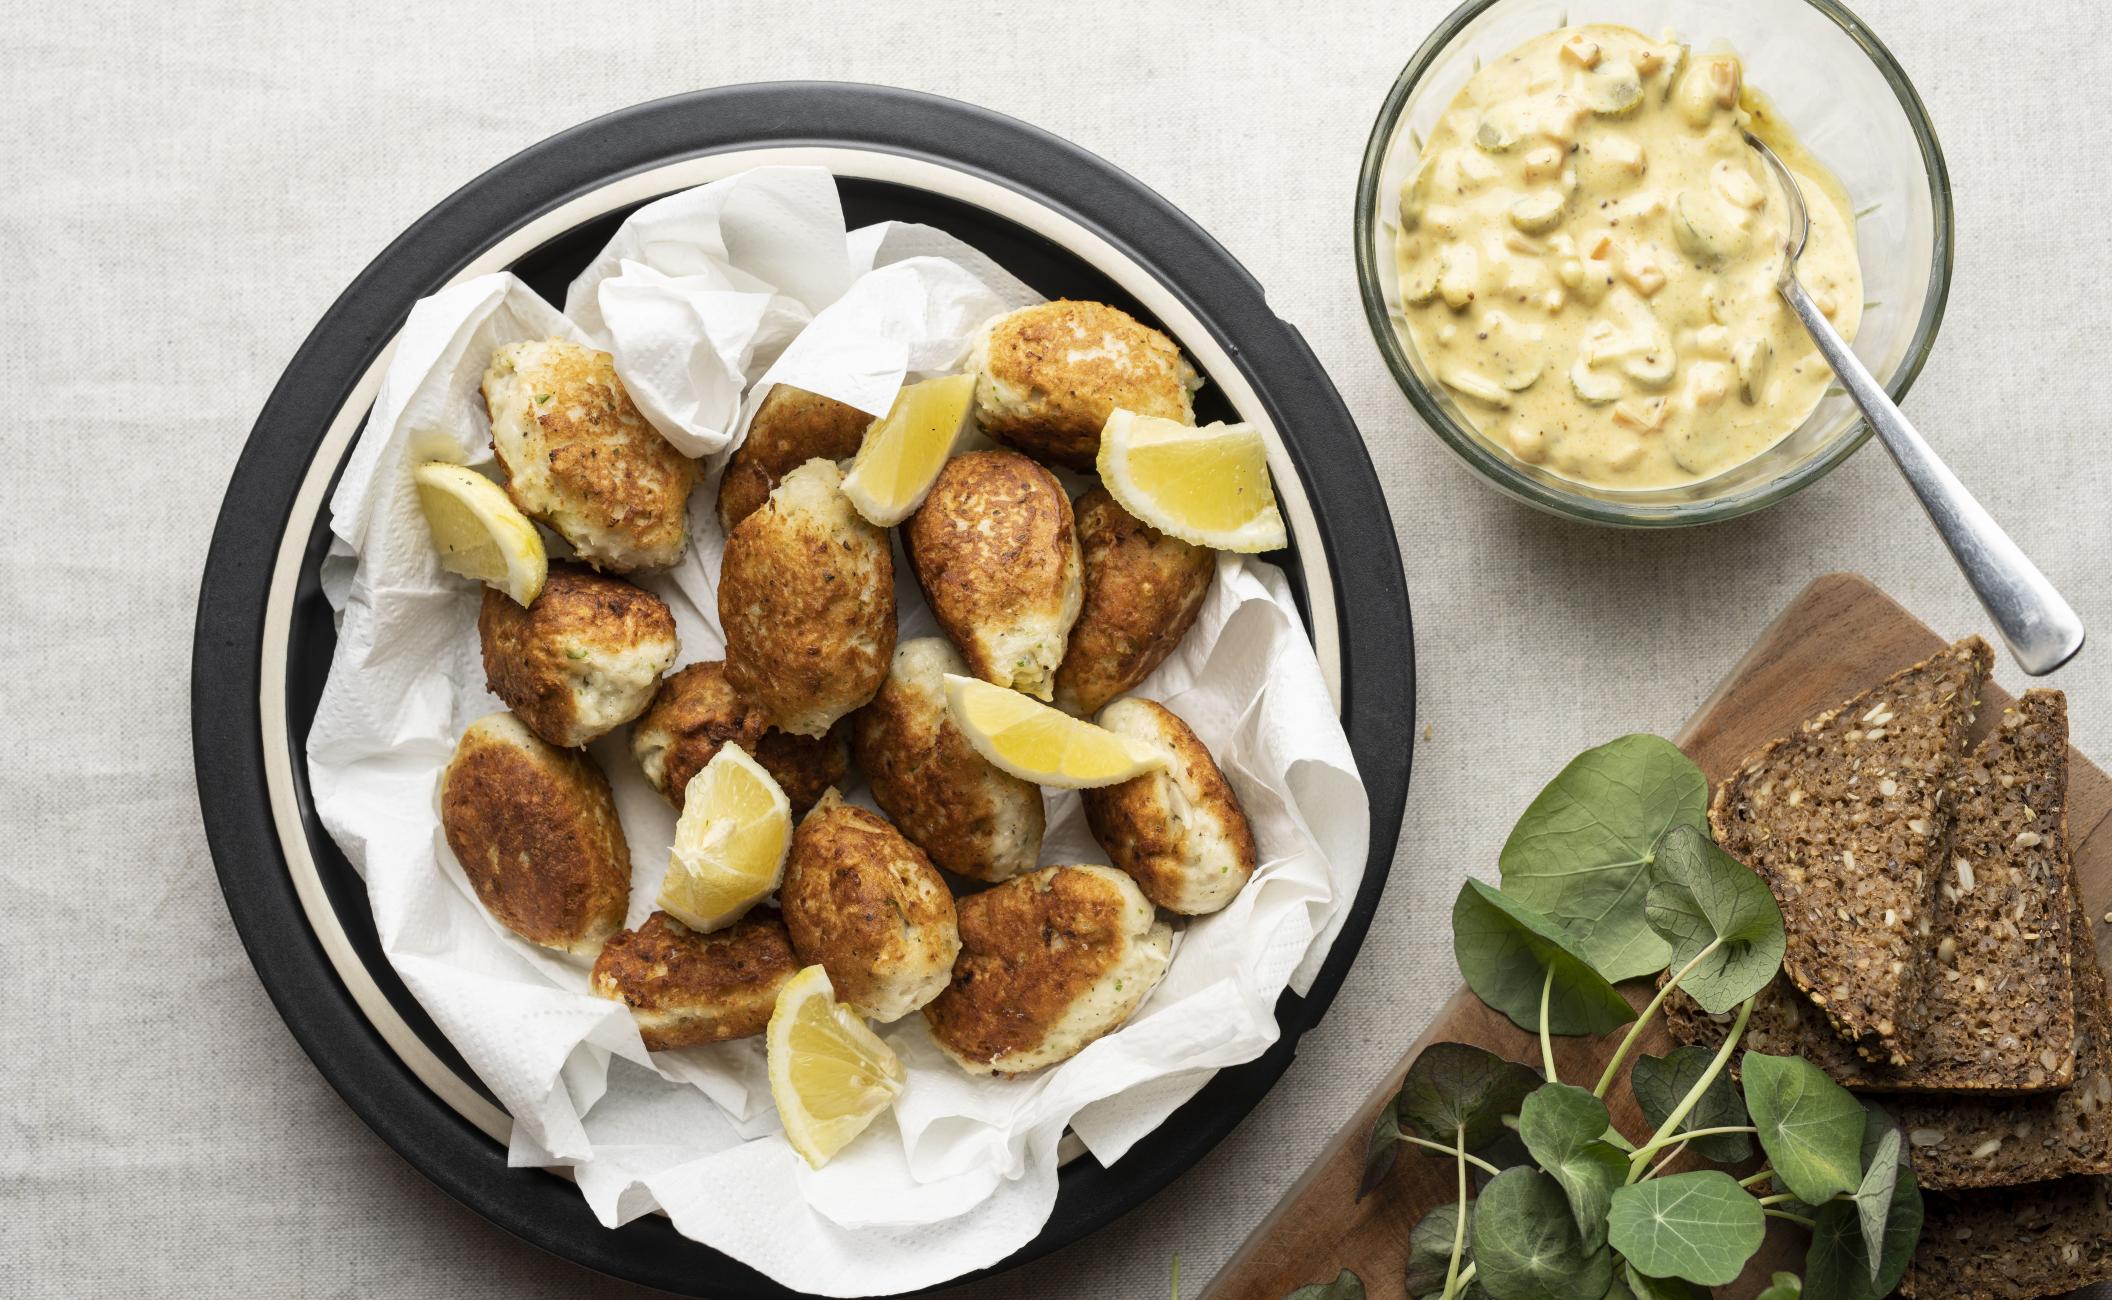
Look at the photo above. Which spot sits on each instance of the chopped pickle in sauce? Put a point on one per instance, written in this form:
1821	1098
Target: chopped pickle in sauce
1587	256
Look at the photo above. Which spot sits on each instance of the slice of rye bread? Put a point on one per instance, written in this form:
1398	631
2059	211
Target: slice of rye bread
1847	821
1999	1015
2016	1244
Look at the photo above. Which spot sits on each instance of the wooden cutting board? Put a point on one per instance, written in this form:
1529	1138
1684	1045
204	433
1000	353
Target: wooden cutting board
1838	636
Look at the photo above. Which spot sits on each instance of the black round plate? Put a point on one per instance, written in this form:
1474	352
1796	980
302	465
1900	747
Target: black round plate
229	664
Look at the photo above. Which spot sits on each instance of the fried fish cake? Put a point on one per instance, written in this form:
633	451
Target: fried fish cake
1050	961
869	907
686	989
535	830
1178	831
584	659
1049	375
807	600
790	428
697	711
996	552
579	457
970	817
1143	590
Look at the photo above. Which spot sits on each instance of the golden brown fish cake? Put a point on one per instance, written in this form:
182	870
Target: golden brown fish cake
1050	961
535	830
579	457
790	428
867	905
697	711
1143	590
581	661
1178	831
686	989
1048	376
996	552
971	818
807	601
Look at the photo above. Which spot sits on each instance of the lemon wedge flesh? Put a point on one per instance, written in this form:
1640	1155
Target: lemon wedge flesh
1037	743
904	450
829	1075
478	530
730	843
1207	485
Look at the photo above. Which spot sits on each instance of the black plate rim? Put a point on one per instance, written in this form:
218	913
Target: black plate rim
1369	591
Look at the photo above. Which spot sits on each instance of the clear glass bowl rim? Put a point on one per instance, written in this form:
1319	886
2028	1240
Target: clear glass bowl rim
1507	478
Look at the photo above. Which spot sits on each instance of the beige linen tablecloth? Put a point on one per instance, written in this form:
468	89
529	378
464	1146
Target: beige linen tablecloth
184	188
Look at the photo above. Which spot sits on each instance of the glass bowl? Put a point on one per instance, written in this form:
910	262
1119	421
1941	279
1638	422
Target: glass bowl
1848	101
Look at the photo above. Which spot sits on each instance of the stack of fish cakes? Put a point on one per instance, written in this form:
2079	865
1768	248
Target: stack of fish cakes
1073	602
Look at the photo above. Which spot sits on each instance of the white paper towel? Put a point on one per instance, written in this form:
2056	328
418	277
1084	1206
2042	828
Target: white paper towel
704	297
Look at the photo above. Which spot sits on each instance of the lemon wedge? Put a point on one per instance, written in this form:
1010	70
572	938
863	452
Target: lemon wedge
904	450
1206	485
730	843
1037	743
478	530
829	1075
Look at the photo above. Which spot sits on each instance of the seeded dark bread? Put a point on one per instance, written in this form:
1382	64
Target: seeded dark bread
1998	1017
2043	1240
1846	820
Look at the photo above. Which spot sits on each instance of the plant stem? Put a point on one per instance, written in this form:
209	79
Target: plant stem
1635	1031
1459	1221
1473	1160
1466	1275
1674	1154
1778	1198
1797	1219
1176	1275
1755	1180
1547	1040
1687	1103
1658	1144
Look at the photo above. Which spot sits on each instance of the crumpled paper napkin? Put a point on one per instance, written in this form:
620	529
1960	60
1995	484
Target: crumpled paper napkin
706	298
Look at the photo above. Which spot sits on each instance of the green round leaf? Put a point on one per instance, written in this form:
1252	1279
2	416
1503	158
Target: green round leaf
1810	1126
1347	1286
1505	949
1381	1149
1456	1086
1563	1127
1783	1286
1838	1265
1526	1246
1885	1162
1699	1227
1701	895
1581	853
1647	1287
1660	1083
1430	1250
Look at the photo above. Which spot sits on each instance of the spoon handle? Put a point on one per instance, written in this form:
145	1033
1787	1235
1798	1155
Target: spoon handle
2041	630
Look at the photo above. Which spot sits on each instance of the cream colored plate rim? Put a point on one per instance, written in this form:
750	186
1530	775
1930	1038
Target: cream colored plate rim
861	163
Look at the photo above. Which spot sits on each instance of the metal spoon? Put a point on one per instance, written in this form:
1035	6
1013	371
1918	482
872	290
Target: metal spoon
2041	630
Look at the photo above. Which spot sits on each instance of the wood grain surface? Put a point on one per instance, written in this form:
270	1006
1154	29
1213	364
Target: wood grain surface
1839	635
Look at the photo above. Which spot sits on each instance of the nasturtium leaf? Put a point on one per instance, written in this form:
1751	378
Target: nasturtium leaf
1700	1227
1563	1126
1430	1250
1700	896
1505	950
1347	1286
1660	1083
1455	1086
1646	1287
1783	1286
1581	853
1838	1265
1810	1126
1884	1159
1526	1247
1380	1151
